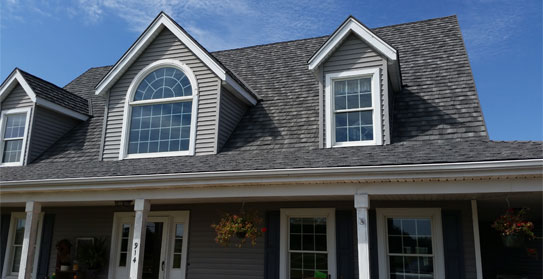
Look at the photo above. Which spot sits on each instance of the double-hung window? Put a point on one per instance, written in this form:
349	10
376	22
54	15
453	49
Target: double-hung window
353	108
14	248
160	112
410	243
307	243
13	131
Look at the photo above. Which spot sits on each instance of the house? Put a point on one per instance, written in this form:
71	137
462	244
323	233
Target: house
365	154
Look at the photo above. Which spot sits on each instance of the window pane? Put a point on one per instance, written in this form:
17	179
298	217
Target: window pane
15	126
352	93
178	246
12	151
411	237
163	83
19	231
16	258
354	126
308	235
160	128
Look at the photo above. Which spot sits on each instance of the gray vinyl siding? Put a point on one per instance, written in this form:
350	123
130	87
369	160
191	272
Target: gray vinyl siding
230	112
48	127
208	260
354	54
165	46
17	99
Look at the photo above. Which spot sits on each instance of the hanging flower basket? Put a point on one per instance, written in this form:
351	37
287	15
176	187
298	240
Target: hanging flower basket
237	229
514	227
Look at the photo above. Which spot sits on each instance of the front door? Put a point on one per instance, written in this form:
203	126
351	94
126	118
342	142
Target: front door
155	245
164	255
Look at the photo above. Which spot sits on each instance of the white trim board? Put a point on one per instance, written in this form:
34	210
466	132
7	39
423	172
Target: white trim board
447	171
351	25
163	21
17	78
176	193
348	26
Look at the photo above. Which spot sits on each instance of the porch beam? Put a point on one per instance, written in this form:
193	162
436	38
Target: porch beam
362	204
141	208
476	239
32	210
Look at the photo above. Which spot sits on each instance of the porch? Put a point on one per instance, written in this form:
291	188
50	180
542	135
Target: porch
361	236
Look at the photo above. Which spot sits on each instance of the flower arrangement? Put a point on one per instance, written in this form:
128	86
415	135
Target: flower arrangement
514	225
244	226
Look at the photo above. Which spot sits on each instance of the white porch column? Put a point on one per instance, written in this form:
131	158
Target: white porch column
476	240
141	207
33	210
362	204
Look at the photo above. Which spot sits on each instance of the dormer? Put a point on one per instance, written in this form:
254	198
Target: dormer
34	115
358	73
168	96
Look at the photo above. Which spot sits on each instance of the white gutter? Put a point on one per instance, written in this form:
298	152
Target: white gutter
532	167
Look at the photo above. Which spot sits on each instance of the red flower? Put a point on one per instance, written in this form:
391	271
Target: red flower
264	230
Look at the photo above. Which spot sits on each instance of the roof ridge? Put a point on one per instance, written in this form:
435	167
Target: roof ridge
322	36
415	22
91	68
268	44
48	82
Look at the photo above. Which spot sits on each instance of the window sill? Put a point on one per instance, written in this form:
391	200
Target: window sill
355	143
16	164
158	155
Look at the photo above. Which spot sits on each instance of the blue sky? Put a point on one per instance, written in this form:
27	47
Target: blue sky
58	39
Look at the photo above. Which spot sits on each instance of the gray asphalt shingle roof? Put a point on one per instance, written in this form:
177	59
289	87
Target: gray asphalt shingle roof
437	117
55	94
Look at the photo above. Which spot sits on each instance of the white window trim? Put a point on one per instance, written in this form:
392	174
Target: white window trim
330	124
3	120
174	217
6	270
437	236
123	153
330	214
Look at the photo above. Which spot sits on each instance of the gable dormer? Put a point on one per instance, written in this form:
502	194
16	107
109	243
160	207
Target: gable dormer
357	71
34	115
168	96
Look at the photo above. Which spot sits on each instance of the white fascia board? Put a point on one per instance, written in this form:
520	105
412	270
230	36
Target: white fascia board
154	29
231	84
145	39
446	171
351	25
60	109
12	81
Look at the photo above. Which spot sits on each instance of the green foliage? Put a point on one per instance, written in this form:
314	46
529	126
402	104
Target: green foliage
93	255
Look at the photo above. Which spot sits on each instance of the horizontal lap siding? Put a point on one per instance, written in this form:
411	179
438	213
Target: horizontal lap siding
48	127
76	222
354	54
165	46
17	99
231	110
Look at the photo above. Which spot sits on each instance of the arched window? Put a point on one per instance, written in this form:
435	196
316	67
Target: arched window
161	112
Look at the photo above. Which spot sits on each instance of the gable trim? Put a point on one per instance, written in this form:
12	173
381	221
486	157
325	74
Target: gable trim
163	21
17	78
351	25
11	82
